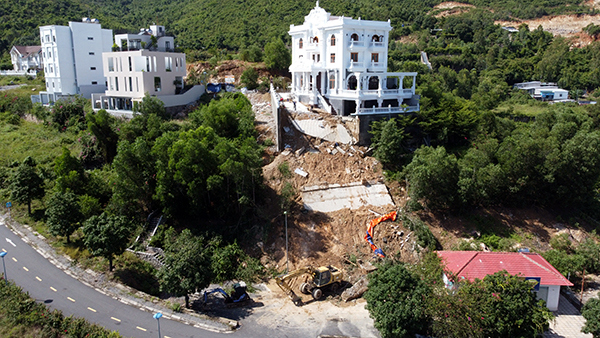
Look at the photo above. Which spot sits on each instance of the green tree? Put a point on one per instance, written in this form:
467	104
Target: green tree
433	175
396	301
277	56
591	313
151	105
69	173
249	78
63	214
187	266
102	125
106	236
26	184
389	145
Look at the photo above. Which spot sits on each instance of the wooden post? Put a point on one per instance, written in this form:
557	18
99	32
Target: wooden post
582	282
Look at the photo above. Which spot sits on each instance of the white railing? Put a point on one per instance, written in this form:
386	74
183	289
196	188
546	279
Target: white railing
376	64
377	44
18	73
356	64
386	110
353	43
390	91
407	91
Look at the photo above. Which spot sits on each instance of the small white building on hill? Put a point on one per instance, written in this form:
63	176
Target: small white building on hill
340	64
24	58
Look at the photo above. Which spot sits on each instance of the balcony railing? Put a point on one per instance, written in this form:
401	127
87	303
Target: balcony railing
377	64
386	110
356	64
354	43
377	44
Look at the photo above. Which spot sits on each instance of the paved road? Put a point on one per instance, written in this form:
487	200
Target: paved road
48	284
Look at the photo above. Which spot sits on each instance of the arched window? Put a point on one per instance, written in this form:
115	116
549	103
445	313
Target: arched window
332	81
373	83
300	43
315	40
333	40
354	37
375	38
352	83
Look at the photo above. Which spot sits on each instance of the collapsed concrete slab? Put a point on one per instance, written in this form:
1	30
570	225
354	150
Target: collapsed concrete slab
332	197
317	128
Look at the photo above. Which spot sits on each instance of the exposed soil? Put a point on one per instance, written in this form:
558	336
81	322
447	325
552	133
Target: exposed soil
451	8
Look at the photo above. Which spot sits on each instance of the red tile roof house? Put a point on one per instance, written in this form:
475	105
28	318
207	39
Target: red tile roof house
475	264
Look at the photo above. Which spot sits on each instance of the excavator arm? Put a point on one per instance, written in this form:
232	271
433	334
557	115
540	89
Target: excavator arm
283	281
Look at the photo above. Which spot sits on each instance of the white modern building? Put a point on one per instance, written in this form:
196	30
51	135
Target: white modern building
544	91
25	58
143	40
72	57
133	74
340	64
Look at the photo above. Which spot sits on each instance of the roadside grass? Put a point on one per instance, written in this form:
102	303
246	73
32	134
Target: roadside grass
136	273
21	316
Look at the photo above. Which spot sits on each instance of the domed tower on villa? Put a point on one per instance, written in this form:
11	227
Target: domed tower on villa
340	64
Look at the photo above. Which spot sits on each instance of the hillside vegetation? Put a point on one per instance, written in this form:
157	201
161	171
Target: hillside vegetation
205	24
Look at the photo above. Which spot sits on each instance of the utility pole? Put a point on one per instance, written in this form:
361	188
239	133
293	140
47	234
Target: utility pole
287	267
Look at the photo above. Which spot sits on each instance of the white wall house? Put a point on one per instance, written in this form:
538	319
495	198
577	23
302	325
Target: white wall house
25	58
143	40
340	63
133	74
72	57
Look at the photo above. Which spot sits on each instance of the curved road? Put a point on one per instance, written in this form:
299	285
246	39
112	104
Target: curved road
52	286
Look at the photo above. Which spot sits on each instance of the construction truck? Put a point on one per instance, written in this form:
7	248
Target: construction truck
316	280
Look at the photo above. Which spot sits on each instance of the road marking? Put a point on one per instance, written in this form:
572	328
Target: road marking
89	308
3	249
167	337
14	259
11	242
38	278
24	268
115	319
71	299
141	328
53	289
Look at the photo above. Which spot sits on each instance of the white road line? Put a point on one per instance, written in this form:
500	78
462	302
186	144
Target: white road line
11	242
3	249
14	259
24	268
71	299
115	319
89	308
53	289
38	278
141	328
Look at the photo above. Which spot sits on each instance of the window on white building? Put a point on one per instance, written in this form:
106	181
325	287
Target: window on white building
333	40
94	82
332	81
332	58
47	37
92	68
157	84
111	65
90	38
54	38
168	63
130	66
354	57
354	37
300	44
167	45
375	57
130	84
375	38
92	53
116	83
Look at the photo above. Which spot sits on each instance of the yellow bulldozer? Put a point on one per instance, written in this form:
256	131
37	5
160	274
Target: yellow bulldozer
316	280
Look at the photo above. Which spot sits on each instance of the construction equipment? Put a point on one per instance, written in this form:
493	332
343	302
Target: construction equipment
239	294
317	279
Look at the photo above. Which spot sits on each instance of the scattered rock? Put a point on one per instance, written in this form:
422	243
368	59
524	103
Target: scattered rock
357	290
